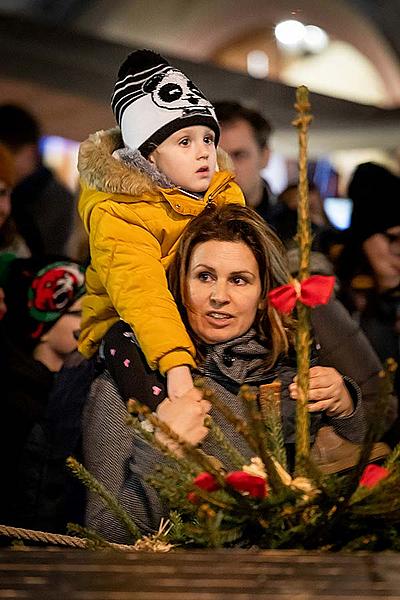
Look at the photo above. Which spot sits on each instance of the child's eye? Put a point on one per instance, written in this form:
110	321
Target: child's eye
184	142
208	139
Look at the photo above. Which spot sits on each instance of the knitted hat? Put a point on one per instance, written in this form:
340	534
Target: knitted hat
37	293
7	166
152	100
375	193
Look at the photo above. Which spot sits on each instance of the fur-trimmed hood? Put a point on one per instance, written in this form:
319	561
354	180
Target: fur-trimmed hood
105	165
134	218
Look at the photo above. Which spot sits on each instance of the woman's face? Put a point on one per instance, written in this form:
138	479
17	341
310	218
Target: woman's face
223	290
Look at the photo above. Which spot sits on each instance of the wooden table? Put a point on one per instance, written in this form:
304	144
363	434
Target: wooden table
43	574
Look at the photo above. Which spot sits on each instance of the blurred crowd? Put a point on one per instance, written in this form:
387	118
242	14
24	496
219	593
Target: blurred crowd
42	281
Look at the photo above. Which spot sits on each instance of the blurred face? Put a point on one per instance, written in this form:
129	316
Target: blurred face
238	140
316	207
5	202
188	157
61	338
223	290
383	253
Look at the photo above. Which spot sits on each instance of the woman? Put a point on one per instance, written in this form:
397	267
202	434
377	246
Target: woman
369	265
226	263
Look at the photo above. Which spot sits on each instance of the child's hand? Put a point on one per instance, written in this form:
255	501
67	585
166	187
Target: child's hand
185	416
179	382
327	392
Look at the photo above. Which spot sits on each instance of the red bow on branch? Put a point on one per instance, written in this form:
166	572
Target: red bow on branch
313	291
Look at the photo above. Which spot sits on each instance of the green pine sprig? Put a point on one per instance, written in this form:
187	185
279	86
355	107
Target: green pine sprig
109	499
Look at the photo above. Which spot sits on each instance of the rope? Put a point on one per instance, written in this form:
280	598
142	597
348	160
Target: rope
55	539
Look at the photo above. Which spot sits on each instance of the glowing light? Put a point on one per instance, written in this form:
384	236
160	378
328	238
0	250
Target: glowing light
290	33
257	64
315	39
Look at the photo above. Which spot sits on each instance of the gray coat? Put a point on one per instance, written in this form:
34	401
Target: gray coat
121	460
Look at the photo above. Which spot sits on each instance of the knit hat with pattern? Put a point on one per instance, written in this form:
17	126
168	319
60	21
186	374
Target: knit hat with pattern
38	291
152	100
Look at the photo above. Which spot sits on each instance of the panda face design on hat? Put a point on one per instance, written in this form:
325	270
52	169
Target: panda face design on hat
173	91
152	99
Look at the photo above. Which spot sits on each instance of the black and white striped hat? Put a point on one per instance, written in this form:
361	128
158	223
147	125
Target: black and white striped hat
152	100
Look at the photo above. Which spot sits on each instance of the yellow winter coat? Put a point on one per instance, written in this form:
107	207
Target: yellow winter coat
134	225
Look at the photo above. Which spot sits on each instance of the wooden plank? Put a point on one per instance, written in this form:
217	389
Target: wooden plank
202	575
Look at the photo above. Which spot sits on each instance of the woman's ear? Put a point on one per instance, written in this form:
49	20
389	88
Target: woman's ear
261	304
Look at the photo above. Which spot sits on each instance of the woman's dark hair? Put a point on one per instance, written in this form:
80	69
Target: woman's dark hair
234	223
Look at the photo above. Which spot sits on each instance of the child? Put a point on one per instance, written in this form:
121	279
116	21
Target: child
135	202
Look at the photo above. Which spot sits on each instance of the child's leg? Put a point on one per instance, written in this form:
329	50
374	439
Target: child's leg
127	365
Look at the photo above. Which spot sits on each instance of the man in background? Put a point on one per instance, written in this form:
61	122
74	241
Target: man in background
42	208
245	137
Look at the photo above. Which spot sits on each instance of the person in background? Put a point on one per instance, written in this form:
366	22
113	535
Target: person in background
37	333
285	222
10	240
369	264
42	207
245	137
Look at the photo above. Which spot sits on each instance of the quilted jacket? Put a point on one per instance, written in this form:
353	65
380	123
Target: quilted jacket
134	218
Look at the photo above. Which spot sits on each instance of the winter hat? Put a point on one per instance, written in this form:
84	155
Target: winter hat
37	293
375	193
152	100
7	166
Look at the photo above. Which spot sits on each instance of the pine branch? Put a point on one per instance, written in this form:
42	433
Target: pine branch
386	377
95	540
270	403
182	462
239	424
234	455
393	458
258	432
198	456
109	500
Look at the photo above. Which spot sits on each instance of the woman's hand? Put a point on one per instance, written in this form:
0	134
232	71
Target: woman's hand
179	382
185	416
327	392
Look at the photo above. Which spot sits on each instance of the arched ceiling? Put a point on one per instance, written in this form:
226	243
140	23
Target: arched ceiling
198	30
66	69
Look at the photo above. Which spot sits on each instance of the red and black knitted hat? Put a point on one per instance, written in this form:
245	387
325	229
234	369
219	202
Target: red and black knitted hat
37	293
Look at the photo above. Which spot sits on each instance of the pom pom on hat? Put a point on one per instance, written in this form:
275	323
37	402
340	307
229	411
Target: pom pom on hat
152	100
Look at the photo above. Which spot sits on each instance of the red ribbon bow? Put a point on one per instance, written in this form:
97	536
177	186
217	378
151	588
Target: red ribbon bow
313	291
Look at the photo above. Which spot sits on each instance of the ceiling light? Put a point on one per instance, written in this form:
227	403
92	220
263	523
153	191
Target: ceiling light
257	64
315	39
290	33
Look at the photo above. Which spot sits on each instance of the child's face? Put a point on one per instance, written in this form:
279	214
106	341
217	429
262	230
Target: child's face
188	157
